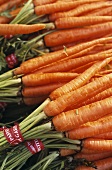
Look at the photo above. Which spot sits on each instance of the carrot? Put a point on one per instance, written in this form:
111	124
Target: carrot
72	119
61	37
32	64
81	80
13	29
102	12
79	95
60	6
91	151
104	94
36	79
103	164
14	12
3	1
29	101
71	22
66	152
74	62
40	90
80	10
94	156
82	68
97	144
4	20
9	4
43	2
107	135
90	129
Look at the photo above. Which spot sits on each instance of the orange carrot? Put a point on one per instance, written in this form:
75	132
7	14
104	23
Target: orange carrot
102	12
3	1
60	6
90	129
47	78
72	62
66	152
61	37
29	101
40	90
94	156
91	151
80	10
97	144
71	22
103	164
107	136
80	80
43	2
72	119
9	4
14	12
13	29
33	64
5	20
79	95
104	94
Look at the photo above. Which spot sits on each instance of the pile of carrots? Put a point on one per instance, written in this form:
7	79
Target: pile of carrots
70	86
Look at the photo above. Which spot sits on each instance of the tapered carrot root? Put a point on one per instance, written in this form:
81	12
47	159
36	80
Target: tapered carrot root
103	164
106	93
102	12
81	80
80	10
40	90
61	37
94	156
43	2
98	144
59	6
92	128
107	136
71	22
72	119
13	29
72	62
47	78
33	64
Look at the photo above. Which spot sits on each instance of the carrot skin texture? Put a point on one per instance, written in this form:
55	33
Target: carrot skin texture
98	144
61	37
66	152
40	90
107	136
80	10
13	29
74	61
80	80
36	79
33	64
43	2
79	95
59	7
72	22
91	129
72	119
94	156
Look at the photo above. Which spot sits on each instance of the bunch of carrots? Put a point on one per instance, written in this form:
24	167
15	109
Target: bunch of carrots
70	85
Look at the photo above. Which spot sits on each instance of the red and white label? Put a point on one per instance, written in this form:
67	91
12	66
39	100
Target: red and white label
34	146
13	135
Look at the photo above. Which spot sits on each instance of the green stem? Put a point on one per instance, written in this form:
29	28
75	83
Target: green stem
37	111
6	83
6	75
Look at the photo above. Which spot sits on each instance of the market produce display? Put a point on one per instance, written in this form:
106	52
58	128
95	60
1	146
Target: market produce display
55	84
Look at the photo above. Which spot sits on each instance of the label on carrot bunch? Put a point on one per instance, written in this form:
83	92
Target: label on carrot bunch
34	146
13	135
